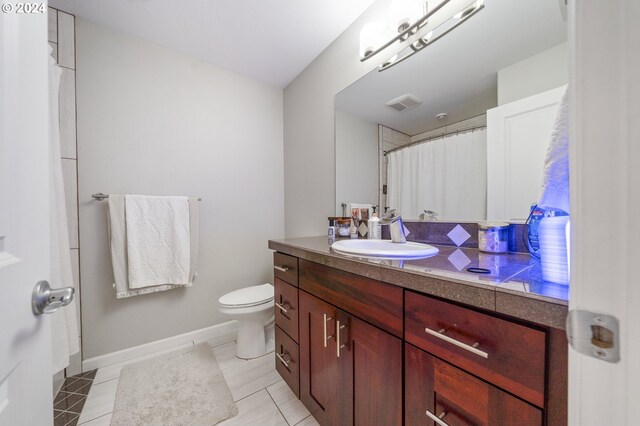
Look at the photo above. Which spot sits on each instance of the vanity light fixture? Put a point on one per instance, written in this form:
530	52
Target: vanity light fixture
405	21
405	18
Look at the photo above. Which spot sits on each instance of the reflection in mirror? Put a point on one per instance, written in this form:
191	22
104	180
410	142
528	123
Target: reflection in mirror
459	131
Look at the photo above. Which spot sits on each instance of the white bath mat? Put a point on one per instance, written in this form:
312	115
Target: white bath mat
180	388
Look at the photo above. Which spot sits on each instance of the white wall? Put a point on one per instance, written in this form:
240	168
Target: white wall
545	71
356	161
154	121
309	128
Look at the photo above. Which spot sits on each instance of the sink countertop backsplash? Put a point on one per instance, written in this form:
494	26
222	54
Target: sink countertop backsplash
514	285
462	234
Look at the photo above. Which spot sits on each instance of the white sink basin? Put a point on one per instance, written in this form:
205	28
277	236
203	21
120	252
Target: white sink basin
384	249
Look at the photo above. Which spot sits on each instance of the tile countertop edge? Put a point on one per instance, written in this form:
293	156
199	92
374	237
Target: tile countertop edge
525	306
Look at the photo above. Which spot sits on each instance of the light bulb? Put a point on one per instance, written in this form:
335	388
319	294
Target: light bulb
371	37
404	13
389	61
466	12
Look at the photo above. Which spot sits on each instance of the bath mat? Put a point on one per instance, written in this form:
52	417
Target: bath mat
179	388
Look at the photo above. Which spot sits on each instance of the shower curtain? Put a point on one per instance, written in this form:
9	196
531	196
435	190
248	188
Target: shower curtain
447	176
64	324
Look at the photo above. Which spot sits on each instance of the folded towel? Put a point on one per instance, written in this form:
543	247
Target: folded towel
555	180
157	240
118	246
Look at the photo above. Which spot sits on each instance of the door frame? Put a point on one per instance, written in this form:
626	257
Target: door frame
604	161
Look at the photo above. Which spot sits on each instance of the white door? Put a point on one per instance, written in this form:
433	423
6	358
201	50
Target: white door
25	345
604	112
518	135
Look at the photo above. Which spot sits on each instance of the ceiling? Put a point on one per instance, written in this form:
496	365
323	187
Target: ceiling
458	74
269	40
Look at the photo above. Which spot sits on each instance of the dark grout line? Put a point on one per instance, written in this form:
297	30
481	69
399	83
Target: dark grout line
277	406
303	419
95	418
259	390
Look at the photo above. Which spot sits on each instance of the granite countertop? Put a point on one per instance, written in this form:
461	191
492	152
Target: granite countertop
514	287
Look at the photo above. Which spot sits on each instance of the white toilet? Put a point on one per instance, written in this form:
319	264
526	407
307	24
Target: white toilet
253	308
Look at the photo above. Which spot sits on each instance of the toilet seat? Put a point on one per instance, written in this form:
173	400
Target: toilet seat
248	296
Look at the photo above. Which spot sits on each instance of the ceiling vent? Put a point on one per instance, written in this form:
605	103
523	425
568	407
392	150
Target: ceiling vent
404	102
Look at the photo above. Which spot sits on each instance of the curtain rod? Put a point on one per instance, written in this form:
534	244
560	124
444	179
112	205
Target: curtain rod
419	141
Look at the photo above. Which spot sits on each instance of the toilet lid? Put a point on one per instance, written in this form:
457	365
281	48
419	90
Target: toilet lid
248	296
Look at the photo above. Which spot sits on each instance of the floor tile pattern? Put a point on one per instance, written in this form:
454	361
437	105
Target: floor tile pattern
261	395
70	400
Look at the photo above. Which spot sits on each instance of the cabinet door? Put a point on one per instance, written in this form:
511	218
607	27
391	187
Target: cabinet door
370	373
320	385
436	389
518	135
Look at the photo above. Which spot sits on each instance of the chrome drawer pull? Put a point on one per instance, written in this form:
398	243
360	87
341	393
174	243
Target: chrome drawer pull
284	358
326	318
473	349
338	346
437	419
281	268
284	308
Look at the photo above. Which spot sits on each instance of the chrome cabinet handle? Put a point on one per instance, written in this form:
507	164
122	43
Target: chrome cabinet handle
45	300
280	268
471	348
284	358
284	307
437	419
338	345
326	318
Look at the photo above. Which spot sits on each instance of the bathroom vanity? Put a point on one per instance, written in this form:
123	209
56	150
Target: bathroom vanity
375	342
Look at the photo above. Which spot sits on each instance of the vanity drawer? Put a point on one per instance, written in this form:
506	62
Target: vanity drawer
375	302
286	299
509	355
287	363
285	267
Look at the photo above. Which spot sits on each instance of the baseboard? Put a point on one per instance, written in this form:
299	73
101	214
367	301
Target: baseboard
216	335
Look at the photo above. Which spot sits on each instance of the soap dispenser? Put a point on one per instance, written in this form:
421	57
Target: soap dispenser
374	226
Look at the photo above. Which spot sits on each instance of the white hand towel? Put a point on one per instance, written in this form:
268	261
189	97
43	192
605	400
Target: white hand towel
158	240
118	247
555	181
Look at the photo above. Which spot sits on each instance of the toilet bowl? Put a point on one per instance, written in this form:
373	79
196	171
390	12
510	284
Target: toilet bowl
252	307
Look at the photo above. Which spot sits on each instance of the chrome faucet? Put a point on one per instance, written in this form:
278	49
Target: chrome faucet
396	227
429	215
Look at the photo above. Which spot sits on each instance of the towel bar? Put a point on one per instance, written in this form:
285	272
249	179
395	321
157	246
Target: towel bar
101	197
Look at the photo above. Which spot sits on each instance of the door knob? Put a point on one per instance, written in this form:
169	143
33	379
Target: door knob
45	300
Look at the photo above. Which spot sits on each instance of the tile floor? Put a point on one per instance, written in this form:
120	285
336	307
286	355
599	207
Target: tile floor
69	401
261	395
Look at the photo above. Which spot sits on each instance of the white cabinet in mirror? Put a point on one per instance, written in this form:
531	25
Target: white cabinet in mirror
484	160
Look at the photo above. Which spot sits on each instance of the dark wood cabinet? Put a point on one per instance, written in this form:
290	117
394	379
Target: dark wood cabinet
437	389
489	347
285	267
359	351
286	312
350	371
373	301
319	375
375	358
287	360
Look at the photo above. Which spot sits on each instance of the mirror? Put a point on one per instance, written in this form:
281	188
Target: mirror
498	78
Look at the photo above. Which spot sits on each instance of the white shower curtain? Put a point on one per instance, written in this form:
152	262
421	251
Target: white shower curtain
447	176
64	328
